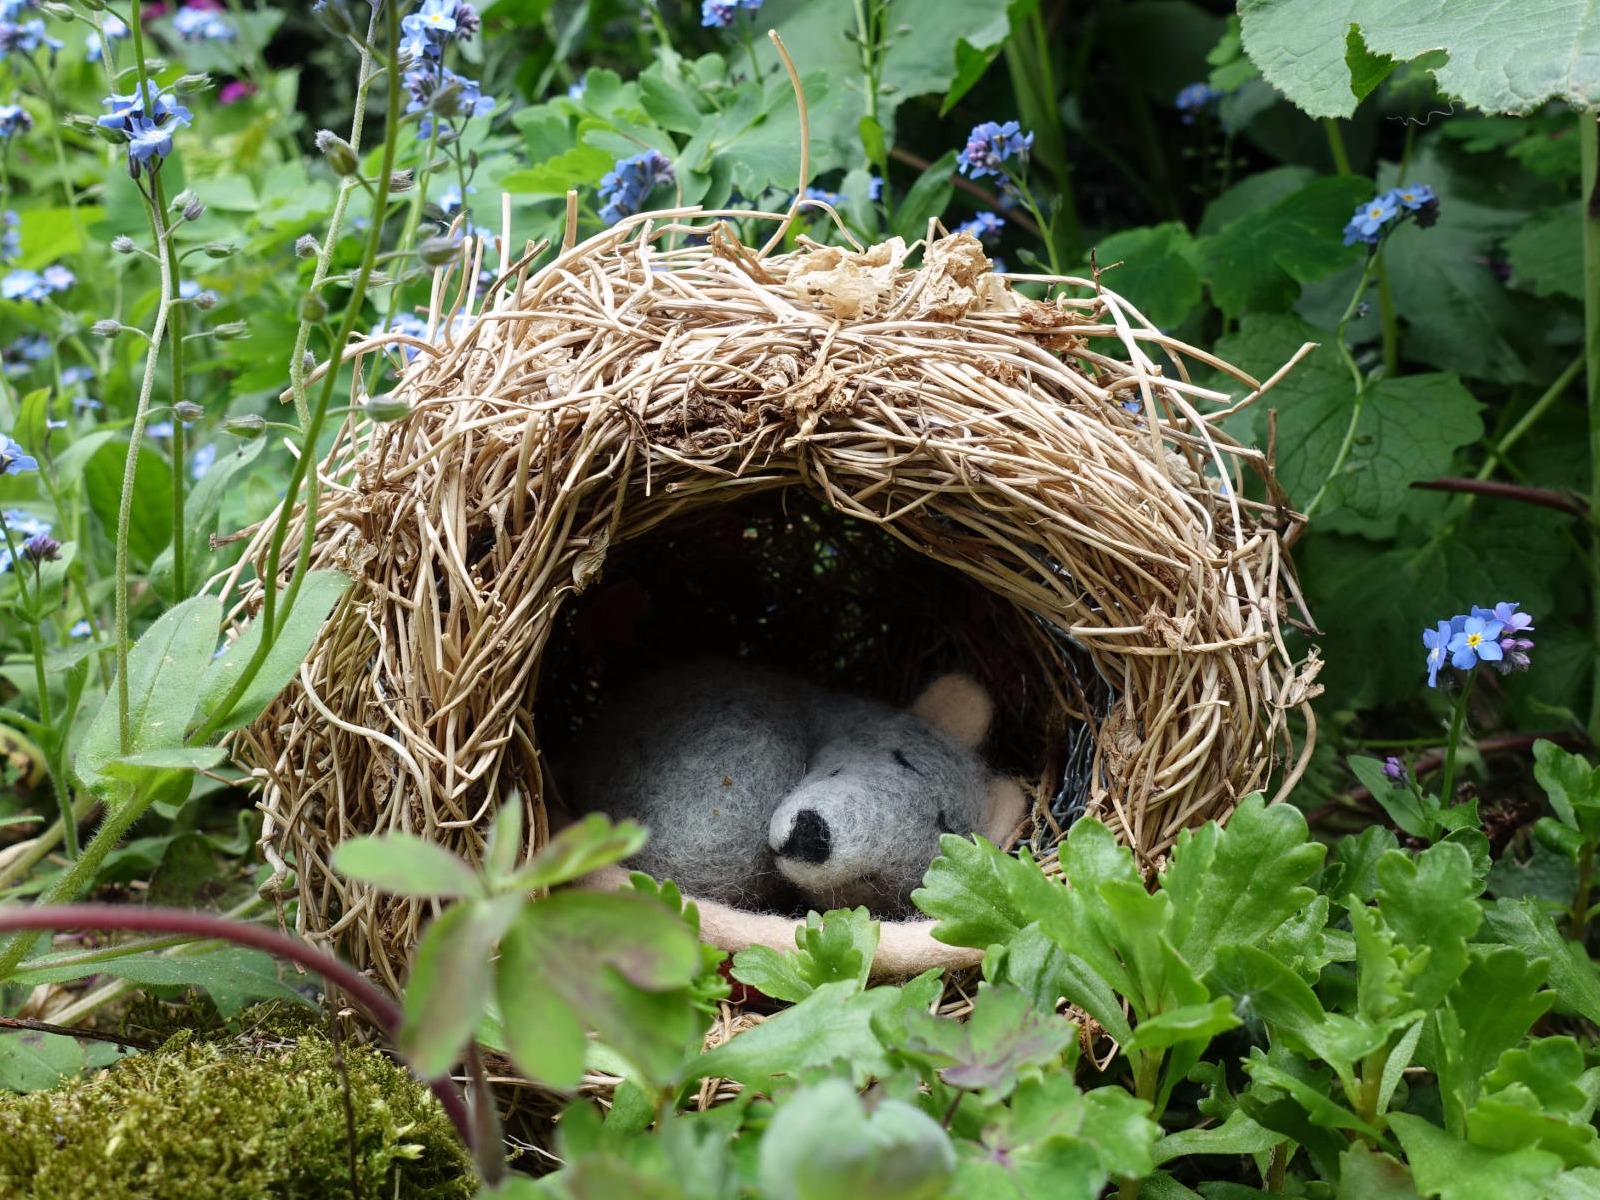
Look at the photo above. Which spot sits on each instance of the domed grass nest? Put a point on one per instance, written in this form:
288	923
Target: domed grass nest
667	443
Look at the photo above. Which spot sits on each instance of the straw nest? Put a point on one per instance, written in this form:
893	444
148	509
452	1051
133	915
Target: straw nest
666	440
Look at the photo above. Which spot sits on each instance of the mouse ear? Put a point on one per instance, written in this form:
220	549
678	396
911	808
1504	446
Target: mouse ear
1003	810
958	707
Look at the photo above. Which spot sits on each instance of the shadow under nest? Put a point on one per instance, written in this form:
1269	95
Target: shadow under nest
660	446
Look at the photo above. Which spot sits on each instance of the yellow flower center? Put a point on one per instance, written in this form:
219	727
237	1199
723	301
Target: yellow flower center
1474	640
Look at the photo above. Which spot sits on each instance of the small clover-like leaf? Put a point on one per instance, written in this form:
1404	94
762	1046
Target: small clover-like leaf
592	843
828	949
406	865
988	1053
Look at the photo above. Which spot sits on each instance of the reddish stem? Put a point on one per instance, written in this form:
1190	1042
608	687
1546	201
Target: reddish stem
1545	497
377	1004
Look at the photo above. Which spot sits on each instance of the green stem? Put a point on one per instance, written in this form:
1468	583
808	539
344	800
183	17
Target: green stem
1391	321
1358	403
1578	919
1498	450
1589	146
1457	722
79	876
1341	159
270	620
1372	1069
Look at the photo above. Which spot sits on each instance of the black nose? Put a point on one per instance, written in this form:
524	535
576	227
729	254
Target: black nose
809	840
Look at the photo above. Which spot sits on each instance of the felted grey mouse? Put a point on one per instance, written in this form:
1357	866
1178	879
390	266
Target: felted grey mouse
755	784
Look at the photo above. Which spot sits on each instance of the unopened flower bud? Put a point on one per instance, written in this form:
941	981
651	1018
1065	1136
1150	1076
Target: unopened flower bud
341	155
436	251
188	411
335	17
205	301
123	244
308	362
182	200
188	85
246	425
230	331
401	181
313	308
93	5
41	548
106	328
305	246
386	408
217	250
61	12
193	210
379	279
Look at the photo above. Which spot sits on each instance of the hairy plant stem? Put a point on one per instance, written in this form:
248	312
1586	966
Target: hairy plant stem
1578	917
1589	148
271	621
1453	742
1341	158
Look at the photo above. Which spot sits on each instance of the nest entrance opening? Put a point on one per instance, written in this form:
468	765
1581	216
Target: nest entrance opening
784	579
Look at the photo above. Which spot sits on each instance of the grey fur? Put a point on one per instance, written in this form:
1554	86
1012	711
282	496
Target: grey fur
720	760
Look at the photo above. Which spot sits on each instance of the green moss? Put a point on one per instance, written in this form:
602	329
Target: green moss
231	1122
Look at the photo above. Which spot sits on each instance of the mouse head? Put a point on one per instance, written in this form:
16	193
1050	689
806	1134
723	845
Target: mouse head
864	823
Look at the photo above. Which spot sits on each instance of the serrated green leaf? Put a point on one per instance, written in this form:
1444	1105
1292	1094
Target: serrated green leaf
1235	886
835	1022
165	668
1430	902
1550	1068
594	842
1571	784
834	948
1300	47
980	895
1190	1023
1452	1169
1513	1118
1408	428
319	592
1034	962
989	1051
1259	260
1490	1010
580	165
1239	1134
406	865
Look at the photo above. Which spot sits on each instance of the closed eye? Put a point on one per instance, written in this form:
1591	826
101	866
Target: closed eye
904	762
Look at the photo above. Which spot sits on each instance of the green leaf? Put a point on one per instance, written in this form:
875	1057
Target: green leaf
835	1022
989	1051
1540	253
822	1144
1526	926
622	963
1239	1134
174	758
981	895
32	1061
926	198
449	983
1513	1117
1309	1089
1408	429
1034	962
1235	886
1405	809
580	165
1550	1068
165	667
406	865
1259	260
1452	1169
1495	59
1571	784
1190	1023
1367	1174
319	592
594	842
834	948
231	974
1367	70
1490	1010
1156	268
204	504
151	527
542	1032
1431	903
